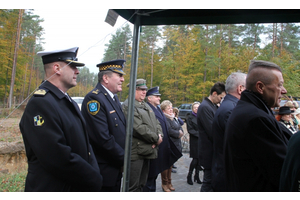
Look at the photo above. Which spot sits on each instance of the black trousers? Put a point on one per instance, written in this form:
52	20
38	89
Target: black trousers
206	186
116	188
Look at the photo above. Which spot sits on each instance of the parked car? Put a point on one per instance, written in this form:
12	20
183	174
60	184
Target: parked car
78	100
184	109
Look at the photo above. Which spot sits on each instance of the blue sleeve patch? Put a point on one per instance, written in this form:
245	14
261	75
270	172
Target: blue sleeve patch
93	107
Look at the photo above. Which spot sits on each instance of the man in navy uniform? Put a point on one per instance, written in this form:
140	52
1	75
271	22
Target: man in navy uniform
106	123
59	155
168	153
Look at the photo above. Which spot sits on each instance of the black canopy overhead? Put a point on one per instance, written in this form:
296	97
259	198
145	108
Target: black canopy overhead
144	17
209	16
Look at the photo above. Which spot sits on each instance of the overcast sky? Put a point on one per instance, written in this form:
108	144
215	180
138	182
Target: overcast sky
71	23
84	28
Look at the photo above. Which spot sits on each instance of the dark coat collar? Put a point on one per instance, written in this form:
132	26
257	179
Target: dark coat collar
231	98
60	95
57	92
257	100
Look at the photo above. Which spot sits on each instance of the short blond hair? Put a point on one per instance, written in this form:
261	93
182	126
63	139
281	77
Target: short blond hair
289	104
165	104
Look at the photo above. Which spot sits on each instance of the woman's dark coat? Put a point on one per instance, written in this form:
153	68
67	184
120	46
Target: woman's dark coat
174	128
192	129
168	154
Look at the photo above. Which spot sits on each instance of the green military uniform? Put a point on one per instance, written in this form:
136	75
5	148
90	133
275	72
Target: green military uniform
146	130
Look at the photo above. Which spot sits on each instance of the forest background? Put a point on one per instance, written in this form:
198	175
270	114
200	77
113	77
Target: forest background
183	60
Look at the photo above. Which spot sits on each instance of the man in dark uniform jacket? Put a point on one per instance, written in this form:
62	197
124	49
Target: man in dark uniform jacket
106	123
168	153
59	155
255	146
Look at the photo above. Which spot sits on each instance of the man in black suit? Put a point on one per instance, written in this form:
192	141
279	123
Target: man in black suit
106	123
59	155
205	116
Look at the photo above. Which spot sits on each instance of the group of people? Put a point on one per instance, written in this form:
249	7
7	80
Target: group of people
234	136
241	145
69	149
288	116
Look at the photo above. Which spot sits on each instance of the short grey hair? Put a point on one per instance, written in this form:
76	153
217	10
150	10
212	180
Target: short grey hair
234	80
102	73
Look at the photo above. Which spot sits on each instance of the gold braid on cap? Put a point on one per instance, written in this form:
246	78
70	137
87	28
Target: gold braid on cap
105	67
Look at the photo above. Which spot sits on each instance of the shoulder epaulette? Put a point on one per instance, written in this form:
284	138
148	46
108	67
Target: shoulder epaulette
40	92
95	91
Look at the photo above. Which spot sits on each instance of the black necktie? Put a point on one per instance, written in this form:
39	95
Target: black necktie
117	100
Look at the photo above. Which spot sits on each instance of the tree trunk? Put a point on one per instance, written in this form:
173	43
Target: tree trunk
220	50
204	74
255	39
31	70
152	64
23	89
281	39
13	74
274	38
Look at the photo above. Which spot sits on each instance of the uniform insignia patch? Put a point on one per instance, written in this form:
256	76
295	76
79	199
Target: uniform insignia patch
38	121
41	92
93	107
95	91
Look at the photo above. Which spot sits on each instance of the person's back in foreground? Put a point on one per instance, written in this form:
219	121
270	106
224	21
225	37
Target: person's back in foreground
255	146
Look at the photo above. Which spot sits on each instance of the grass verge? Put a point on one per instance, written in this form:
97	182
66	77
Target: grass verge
13	182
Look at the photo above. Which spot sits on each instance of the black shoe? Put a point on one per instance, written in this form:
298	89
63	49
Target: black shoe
196	177
174	167
174	171
189	179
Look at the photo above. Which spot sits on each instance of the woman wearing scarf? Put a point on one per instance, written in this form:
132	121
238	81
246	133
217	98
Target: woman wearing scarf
175	133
